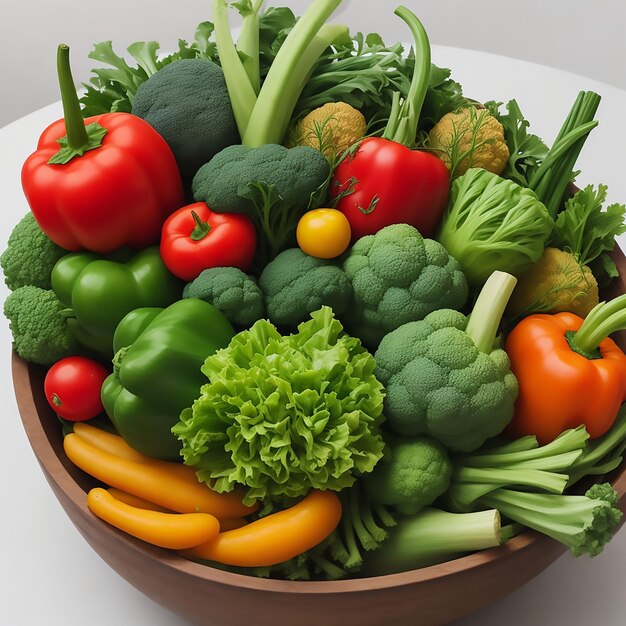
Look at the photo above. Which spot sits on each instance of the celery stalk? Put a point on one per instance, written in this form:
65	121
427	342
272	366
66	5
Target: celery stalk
287	75
248	42
240	89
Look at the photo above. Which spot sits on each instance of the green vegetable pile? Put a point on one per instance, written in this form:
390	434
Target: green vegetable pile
333	330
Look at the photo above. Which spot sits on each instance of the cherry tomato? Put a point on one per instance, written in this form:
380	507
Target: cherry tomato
323	233
72	387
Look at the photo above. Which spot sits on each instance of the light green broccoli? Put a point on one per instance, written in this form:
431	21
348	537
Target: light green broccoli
272	184
295	284
232	292
188	104
30	256
412	474
39	328
446	378
399	277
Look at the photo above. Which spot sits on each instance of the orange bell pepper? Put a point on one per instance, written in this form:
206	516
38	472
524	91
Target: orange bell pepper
569	372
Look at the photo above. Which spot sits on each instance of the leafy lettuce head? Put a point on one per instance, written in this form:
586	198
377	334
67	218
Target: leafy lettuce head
283	414
493	224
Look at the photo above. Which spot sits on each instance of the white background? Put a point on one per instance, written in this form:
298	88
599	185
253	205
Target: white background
48	574
583	36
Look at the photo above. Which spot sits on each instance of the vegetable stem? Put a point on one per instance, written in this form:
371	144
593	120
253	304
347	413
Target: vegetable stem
288	73
240	89
484	320
74	124
550	179
604	319
403	121
248	43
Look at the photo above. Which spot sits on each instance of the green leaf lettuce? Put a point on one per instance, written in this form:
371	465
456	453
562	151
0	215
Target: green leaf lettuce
284	414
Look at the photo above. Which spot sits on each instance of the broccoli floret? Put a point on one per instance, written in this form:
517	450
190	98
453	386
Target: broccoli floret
229	290
399	277
272	184
585	524
443	376
188	104
30	256
412	474
38	325
295	284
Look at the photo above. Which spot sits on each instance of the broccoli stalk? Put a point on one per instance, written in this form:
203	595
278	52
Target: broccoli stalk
585	524
362	529
489	479
602	455
483	323
521	463
404	116
433	536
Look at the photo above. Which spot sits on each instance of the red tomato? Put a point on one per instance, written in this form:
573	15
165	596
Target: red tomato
72	387
196	238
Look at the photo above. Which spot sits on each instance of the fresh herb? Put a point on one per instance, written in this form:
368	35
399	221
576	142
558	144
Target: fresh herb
526	151
587	231
113	88
551	179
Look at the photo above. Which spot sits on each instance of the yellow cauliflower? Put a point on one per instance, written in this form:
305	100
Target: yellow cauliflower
331	129
556	283
468	138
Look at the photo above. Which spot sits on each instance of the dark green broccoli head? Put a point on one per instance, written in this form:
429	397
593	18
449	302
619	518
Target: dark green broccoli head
412	474
296	284
187	102
30	256
439	384
38	325
399	277
274	185
229	290
224	182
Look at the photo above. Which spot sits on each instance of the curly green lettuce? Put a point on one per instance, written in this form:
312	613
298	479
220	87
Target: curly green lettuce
284	414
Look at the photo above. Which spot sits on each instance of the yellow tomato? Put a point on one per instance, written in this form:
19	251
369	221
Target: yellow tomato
323	233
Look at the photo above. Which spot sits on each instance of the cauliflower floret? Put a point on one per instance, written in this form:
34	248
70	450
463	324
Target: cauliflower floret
470	138
556	283
331	129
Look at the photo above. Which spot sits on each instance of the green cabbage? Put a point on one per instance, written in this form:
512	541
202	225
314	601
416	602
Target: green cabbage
284	414
493	224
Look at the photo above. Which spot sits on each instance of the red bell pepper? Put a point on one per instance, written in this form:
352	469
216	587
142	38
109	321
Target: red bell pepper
384	181
195	238
101	183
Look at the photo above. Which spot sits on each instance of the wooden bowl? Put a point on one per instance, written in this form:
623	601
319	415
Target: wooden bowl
429	596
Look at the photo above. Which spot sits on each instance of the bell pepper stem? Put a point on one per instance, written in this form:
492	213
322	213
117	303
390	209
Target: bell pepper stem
403	121
201	230
486	315
604	319
74	124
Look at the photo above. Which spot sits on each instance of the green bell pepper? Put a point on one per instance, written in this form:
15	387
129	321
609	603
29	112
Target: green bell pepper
99	291
157	371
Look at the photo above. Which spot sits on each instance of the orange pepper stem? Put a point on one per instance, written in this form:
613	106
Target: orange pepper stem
483	323
604	319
